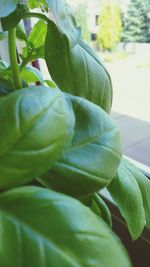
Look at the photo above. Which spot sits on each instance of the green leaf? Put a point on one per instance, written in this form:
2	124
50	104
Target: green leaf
36	124
144	185
98	206
5	87
14	18
50	83
7	6
92	160
35	44
126	193
31	75
64	18
77	70
38	34
40	228
36	3
20	33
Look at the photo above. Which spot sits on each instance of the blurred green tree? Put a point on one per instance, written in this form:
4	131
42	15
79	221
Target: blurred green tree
110	25
137	22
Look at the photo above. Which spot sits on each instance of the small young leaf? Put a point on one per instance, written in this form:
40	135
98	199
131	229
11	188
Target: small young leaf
144	185
20	33
7	7
50	83
32	75
36	3
35	43
33	133
126	193
99	207
92	159
42	228
68	66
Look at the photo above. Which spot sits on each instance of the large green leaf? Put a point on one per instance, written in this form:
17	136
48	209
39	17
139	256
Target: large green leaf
42	228
13	19
144	185
7	6
126	193
35	125
64	19
92	160
77	70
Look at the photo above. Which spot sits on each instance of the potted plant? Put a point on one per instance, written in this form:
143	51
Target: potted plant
59	147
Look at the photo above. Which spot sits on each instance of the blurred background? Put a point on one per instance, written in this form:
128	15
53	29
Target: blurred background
120	32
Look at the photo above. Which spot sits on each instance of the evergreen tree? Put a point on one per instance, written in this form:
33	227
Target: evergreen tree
110	25
137	22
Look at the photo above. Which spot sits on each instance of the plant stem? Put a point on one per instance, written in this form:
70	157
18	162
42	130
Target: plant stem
13	58
36	15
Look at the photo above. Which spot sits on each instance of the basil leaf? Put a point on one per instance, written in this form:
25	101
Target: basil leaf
31	75
40	228
33	133
7	6
77	70
50	83
20	33
64	18
5	87
126	193
99	207
92	159
144	185
14	18
36	3
35	43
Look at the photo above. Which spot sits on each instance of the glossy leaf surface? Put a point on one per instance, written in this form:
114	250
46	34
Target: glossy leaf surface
126	193
32	133
43	228
144	185
83	168
77	70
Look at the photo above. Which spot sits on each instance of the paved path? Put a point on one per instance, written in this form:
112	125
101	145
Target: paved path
131	107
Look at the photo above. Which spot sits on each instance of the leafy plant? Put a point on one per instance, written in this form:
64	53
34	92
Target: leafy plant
59	147
110	25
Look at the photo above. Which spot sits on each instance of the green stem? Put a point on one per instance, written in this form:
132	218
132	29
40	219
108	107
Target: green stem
13	58
36	15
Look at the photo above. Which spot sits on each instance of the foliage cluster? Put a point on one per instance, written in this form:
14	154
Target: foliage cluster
137	22
59	147
110	25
